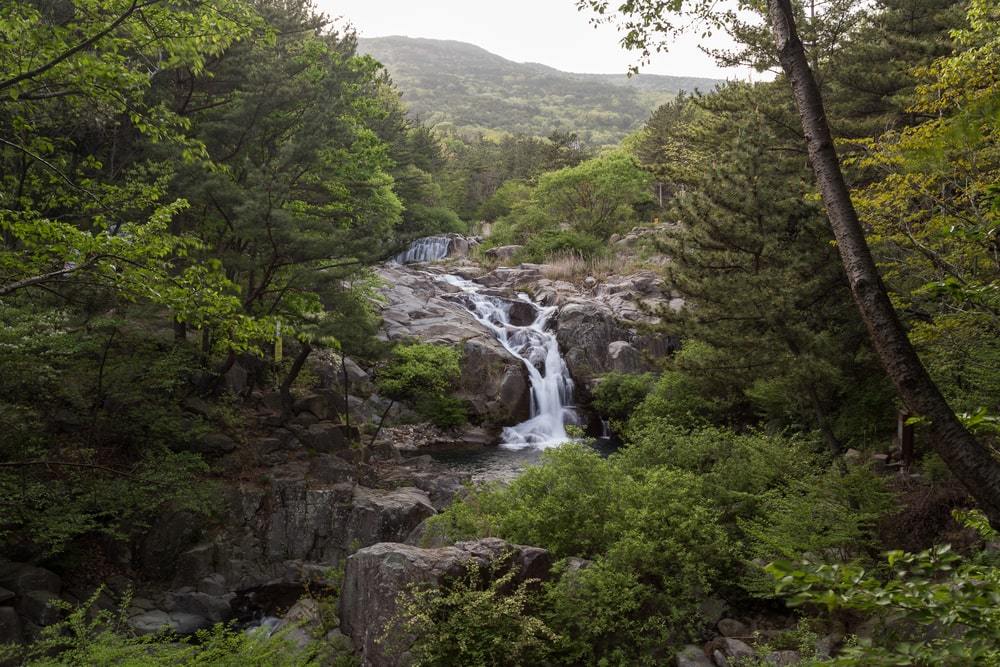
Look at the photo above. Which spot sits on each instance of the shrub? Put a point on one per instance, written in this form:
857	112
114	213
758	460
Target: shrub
422	374
655	541
618	394
939	610
682	395
424	220
548	242
607	616
736	469
87	637
830	515
466	624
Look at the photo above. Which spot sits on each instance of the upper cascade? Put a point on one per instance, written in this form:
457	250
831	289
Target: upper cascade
427	249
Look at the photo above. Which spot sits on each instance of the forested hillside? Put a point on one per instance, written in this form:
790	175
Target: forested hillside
476	91
293	373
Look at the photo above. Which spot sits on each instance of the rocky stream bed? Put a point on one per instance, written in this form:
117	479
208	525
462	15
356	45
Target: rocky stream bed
300	503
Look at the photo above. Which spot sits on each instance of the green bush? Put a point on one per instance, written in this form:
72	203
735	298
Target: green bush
467	624
618	394
422	374
608	616
424	220
933	610
504	200
831	515
549	242
735	469
683	395
655	542
102	638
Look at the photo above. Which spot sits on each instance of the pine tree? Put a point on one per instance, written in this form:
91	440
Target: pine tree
752	256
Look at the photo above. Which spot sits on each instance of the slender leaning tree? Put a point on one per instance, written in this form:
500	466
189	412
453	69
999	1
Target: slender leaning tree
647	26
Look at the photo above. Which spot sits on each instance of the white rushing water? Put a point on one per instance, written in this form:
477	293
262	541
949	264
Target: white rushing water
428	249
536	346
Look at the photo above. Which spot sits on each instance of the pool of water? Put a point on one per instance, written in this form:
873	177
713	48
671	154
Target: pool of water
501	464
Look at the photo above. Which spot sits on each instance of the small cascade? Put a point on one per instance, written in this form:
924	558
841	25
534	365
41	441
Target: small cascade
605	429
427	249
536	346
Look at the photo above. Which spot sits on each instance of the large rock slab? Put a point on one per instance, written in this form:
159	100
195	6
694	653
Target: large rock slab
376	575
273	529
493	382
23	577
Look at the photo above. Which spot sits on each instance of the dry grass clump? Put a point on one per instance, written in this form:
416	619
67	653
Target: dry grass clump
572	268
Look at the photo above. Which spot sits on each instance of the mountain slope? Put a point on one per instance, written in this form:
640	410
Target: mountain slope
459	83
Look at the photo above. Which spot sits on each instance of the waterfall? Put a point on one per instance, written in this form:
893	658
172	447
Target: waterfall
427	249
536	346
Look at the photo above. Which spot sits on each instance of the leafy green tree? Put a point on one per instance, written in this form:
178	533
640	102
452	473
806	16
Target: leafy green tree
90	256
423	375
933	226
597	197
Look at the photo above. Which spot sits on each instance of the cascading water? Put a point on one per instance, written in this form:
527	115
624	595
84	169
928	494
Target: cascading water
428	249
551	385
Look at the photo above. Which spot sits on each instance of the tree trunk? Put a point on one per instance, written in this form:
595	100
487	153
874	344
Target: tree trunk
969	460
286	386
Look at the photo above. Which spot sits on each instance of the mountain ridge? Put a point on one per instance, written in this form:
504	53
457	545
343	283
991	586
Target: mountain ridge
479	92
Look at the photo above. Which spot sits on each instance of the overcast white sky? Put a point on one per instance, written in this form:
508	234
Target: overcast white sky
551	32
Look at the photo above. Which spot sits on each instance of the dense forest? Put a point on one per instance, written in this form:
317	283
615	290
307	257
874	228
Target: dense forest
737	358
462	88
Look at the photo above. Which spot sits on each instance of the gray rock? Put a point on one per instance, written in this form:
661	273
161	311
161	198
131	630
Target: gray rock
214	608
732	649
493	382
304	612
387	516
235	379
504	253
330	469
156	621
150	622
623	358
39	607
712	610
328	437
730	627
585	331
214	444
305	419
213	584
145	604
693	656
339	640
196	563
22	577
783	658
324	404
522	313
11	631
6	595
376	575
